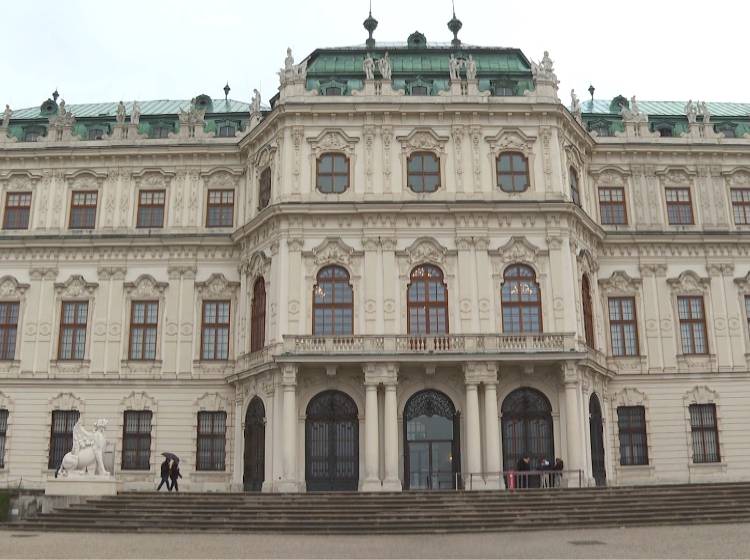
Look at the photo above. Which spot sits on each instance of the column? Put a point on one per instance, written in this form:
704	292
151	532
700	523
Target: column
492	435
572	416
372	453
239	448
392	482
474	480
289	454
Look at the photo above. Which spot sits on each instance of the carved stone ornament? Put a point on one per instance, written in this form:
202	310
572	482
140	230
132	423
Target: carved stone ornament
610	176
423	139
743	284
264	157
333	251
75	287
676	176
630	397
6	403
66	401
11	288
221	178
139	401
85	180
212	402
145	287
700	394
258	265
511	140
739	177
19	181
519	249
332	140
425	250
574	157
152	179
217	286
619	282
688	282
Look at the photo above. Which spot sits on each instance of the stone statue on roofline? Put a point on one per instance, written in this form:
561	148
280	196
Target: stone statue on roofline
121	112
575	105
368	65
454	67
135	113
255	103
384	66
704	111
471	68
6	116
289	60
690	112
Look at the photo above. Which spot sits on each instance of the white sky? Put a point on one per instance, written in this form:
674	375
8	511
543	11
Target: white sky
107	50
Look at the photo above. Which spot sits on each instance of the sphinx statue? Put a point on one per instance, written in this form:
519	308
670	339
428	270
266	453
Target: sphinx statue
88	448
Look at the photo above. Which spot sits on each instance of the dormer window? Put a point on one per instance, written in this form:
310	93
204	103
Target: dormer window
226	131
419	90
95	133
502	89
665	130
333	90
32	134
160	131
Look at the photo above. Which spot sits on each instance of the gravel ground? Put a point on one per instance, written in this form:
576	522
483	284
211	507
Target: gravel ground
698	541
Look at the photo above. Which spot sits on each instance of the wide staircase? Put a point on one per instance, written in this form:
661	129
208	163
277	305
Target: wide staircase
406	512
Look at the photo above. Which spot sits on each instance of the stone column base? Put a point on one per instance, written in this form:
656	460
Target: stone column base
392	485
494	482
370	486
82	487
288	486
267	486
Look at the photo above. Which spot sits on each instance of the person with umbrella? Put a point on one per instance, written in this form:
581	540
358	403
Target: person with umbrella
174	474
165	468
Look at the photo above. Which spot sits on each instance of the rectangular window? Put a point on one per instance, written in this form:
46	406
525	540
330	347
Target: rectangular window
17	211
705	433
220	210
83	210
212	429
623	326
741	206
151	209
215	331
692	324
679	206
61	435
73	318
612	205
631	423
8	330
3	432
136	440
144	318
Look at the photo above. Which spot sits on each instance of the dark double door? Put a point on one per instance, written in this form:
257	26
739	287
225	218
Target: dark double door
596	431
332	443
255	446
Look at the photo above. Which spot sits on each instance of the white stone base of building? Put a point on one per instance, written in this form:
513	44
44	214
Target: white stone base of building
82	487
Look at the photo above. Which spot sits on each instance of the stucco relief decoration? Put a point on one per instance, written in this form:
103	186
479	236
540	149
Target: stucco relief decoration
610	176
259	265
139	401
738	178
222	179
743	284
24	181
688	282
212	402
630	397
700	394
145	287
677	177
574	158
264	157
620	282
5	401
426	250
519	249
85	180
66	401
511	140
332	140
75	287
216	286
11	288
421	140
333	251
587	261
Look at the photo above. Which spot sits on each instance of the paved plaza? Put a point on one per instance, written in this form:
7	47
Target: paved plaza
699	541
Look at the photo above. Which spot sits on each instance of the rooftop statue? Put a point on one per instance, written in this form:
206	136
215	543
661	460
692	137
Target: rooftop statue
368	65
384	66
88	447
471	68
6	116
289	60
61	111
121	112
690	111
454	67
704	111
135	113
255	103
575	104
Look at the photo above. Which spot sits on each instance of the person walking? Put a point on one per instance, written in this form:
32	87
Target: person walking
164	475
174	474
558	468
523	468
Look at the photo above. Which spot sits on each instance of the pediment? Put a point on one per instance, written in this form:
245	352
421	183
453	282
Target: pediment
75	286
519	249
426	250
145	286
511	140
10	287
700	394
333	250
333	140
630	397
258	265
217	286
688	282
423	139
620	282
212	402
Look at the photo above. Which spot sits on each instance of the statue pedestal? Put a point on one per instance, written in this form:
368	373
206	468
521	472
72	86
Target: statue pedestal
82	486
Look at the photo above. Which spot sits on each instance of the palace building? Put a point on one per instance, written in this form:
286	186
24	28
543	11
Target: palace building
413	268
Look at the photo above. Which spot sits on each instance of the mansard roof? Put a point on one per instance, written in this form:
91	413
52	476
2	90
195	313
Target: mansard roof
668	108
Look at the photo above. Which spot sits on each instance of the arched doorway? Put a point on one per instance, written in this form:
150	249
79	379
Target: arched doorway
431	436
255	446
596	429
527	428
332	442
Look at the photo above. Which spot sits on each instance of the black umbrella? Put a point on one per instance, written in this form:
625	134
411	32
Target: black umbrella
171	456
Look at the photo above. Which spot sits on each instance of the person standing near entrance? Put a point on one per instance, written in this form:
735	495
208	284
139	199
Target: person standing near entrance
174	474
164	475
523	468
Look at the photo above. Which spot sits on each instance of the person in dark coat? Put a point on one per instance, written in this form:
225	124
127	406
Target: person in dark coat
558	466
174	474
524	465
164	475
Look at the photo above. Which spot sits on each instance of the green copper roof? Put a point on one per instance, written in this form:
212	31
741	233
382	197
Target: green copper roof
156	107
671	108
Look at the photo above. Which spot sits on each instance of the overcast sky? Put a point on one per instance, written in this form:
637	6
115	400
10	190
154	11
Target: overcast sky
106	50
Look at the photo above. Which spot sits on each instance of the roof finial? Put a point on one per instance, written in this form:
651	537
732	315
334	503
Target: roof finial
55	95
370	25
226	91
455	26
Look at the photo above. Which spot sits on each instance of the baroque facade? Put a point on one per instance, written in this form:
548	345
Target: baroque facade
412	269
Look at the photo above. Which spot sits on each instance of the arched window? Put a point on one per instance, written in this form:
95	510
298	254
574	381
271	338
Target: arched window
258	316
332	173
527	428
264	188
423	172
333	302
427	301
512	172
575	194
588	312
521	300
